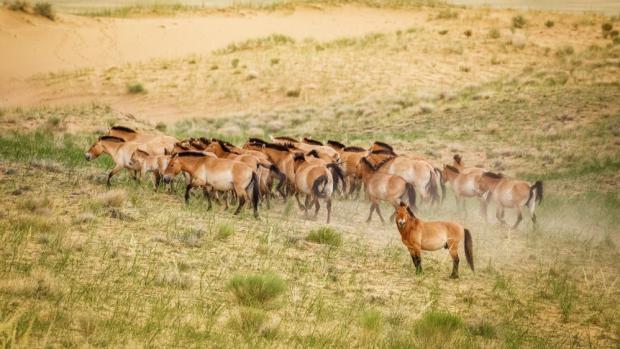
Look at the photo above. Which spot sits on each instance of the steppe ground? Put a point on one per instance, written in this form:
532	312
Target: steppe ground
532	94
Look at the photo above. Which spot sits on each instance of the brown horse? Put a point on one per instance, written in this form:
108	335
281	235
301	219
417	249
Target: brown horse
381	186
280	155
146	163
465	184
350	158
316	181
220	174
119	150
159	144
420	173
266	171
418	235
511	193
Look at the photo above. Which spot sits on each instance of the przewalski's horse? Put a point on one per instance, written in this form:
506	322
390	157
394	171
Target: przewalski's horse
119	150
219	174
418	236
146	163
511	193
280	155
350	157
420	173
159	144
266	171
465	184
313	157
381	186
315	180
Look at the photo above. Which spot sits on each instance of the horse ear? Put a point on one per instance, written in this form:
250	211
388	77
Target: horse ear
402	204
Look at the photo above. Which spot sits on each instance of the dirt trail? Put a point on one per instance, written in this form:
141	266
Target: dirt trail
32	45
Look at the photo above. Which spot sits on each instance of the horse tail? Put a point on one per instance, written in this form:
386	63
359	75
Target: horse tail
431	188
536	193
320	181
255	192
442	182
276	171
338	176
469	252
411	195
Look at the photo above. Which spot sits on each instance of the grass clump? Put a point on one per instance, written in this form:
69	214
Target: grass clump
447	14
549	24
135	88
161	126
45	9
325	236
256	289
113	198
518	22
370	320
36	205
483	329
494	33
606	29
566	50
224	231
17	5
437	322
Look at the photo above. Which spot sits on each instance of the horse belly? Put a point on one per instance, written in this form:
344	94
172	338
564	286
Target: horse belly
435	242
220	181
467	188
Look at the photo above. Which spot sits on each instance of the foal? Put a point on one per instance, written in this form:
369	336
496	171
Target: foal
511	193
316	181
465	184
120	151
418	235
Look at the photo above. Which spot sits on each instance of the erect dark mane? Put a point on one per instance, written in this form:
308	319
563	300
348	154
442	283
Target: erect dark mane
223	142
190	154
204	140
457	159
299	157
336	144
312	141
280	147
223	145
354	149
285	138
181	145
257	140
142	152
384	145
367	162
410	212
313	152
112	138
123	128
383	152
383	162
453	169
493	175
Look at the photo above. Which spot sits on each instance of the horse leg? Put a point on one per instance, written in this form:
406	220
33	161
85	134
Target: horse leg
329	209
187	189
301	207
157	178
112	173
483	209
205	193
454	253
372	208
499	214
241	199
317	206
417	260
379	213
519	217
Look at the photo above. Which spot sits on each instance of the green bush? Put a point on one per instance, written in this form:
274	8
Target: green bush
325	236
256	289
44	9
436	322
224	231
494	33
371	320
549	24
518	21
17	6
135	88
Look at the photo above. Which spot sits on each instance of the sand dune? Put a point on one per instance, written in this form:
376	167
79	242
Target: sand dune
32	45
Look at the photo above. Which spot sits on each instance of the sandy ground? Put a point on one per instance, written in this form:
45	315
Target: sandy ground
33	45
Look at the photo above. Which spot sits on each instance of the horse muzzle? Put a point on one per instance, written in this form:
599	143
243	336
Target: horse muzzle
167	179
88	156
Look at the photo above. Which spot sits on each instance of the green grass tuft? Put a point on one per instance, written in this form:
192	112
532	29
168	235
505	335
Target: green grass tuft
135	88
224	231
256	289
45	9
326	236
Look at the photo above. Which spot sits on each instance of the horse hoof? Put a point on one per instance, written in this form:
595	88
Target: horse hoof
454	276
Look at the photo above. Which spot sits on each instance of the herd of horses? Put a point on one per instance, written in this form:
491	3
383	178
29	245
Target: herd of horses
261	170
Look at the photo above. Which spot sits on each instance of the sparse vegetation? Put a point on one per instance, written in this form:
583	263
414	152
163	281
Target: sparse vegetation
494	33
45	9
224	231
17	5
549	23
